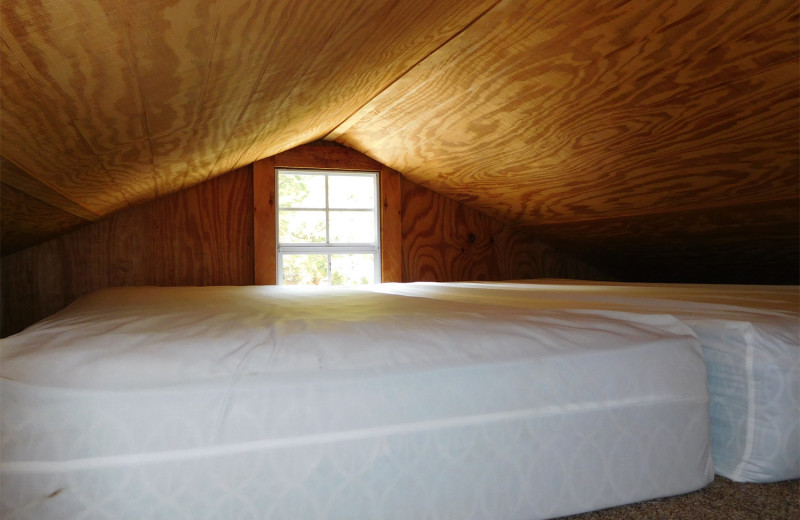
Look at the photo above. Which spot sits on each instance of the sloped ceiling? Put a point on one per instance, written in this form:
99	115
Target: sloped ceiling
657	139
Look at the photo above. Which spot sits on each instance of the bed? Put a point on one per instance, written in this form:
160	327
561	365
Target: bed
751	342
396	401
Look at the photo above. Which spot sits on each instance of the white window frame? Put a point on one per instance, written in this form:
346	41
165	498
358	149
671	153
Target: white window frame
327	248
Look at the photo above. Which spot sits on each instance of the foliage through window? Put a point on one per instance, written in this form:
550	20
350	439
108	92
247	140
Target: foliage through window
328	227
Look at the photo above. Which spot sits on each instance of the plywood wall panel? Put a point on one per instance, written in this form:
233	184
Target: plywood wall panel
326	156
440	243
522	255
32	287
444	241
201	236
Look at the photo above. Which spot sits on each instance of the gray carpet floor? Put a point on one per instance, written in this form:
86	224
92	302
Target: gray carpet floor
723	499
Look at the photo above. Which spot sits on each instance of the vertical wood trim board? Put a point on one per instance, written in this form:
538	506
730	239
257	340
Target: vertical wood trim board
264	239
391	226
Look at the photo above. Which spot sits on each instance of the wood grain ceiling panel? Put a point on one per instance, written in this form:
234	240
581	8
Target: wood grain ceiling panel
113	102
148	42
76	55
348	53
545	112
223	47
48	106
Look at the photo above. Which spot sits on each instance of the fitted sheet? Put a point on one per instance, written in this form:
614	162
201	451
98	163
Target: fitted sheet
272	402
750	337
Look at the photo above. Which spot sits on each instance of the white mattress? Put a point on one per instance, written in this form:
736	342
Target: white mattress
273	402
751	342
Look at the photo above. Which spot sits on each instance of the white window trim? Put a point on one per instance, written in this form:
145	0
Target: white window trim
328	248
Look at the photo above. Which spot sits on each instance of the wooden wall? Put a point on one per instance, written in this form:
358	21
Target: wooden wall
204	236
200	236
443	240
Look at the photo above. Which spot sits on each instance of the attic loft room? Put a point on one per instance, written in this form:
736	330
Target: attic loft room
401	259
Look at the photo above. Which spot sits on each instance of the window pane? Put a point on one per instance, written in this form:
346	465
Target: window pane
351	191
297	190
305	269
352	227
297	227
352	269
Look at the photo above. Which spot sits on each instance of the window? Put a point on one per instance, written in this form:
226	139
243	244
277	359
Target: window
327	227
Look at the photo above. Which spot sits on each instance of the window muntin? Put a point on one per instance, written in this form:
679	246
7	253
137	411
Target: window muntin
328	227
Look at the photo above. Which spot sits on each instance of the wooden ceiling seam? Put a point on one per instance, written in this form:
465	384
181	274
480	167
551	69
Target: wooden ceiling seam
291	91
211	46
133	67
215	57
95	218
249	152
707	87
257	85
29	184
54	221
66	205
356	116
369	138
16	51
13	47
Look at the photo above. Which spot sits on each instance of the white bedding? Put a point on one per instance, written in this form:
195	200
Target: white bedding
751	342
273	402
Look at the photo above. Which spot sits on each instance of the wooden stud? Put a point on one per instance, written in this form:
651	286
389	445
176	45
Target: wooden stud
264	239
391	226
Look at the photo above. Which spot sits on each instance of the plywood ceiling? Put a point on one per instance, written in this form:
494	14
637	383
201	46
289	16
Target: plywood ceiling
596	125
